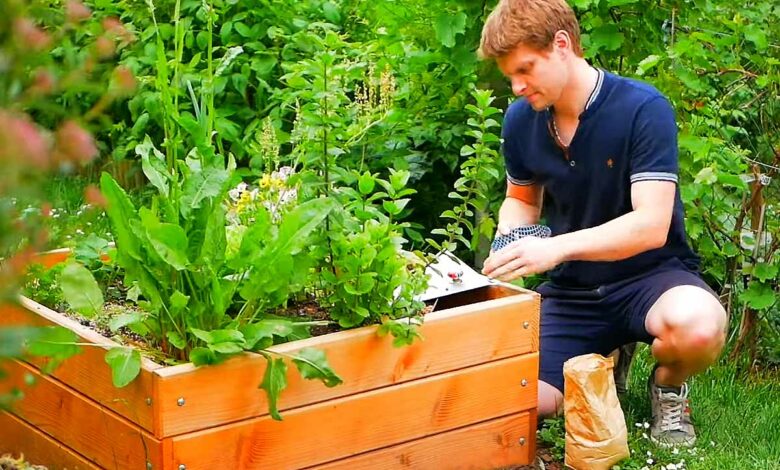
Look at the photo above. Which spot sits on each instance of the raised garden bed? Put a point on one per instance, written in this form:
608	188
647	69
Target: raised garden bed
464	397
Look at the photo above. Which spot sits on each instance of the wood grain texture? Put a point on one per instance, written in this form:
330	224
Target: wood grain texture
367	421
484	446
69	417
19	438
87	372
453	339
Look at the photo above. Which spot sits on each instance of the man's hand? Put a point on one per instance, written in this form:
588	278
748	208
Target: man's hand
529	255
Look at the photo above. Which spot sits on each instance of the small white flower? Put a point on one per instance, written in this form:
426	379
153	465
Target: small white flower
649	454
646	425
712	443
675	451
79	232
650	461
645	468
671	466
639	425
644	434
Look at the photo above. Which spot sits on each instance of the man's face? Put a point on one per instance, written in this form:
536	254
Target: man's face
537	75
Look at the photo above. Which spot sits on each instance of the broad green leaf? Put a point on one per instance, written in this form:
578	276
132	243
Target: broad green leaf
170	242
124	319
298	224
53	341
647	64
176	340
120	212
765	271
755	34
366	183
203	356
607	37
274	382
125	365
331	12
759	296
90	249
13	339
448	26
201	185
179	301
153	165
312	364
80	289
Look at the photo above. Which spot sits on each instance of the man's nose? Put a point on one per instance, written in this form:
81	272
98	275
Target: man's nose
518	87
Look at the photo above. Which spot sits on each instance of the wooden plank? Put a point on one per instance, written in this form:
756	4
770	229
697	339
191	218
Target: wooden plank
453	339
71	418
489	445
51	258
88	372
371	420
19	438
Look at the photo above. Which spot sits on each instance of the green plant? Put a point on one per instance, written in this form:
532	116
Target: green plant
48	59
480	174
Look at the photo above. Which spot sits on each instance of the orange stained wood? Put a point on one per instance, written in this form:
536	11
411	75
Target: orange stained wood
87	372
453	339
498	443
51	258
351	425
67	416
19	438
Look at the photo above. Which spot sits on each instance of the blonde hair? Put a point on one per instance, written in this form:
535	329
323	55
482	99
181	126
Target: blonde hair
529	22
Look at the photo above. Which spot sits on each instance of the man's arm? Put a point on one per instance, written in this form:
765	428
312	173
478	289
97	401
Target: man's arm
644	228
522	206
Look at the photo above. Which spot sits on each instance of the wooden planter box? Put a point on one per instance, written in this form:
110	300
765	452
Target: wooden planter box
464	397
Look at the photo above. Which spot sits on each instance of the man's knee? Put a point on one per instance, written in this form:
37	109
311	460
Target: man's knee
690	319
550	401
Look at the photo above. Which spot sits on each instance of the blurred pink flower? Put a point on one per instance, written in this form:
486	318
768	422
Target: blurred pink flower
30	36
74	144
124	79
94	197
104	46
21	142
75	11
43	82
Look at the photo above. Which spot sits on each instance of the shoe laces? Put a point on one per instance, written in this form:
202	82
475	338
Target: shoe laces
673	406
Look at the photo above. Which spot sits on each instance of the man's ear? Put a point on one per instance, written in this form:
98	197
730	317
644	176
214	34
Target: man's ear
561	42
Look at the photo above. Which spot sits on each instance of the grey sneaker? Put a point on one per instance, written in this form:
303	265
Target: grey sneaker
672	425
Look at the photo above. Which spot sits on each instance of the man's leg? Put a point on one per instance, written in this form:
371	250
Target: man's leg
689	326
550	401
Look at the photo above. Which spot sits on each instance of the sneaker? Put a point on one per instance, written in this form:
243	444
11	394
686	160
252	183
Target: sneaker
672	425
622	368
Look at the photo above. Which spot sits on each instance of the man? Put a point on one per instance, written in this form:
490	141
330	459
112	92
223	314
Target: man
596	155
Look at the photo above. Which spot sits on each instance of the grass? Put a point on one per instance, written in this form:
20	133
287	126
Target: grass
736	417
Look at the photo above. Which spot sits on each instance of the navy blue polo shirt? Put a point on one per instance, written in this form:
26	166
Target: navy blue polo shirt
626	134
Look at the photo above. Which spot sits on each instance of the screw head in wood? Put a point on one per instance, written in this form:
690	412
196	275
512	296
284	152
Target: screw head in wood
148	401
148	465
523	382
182	467
522	441
180	401
526	325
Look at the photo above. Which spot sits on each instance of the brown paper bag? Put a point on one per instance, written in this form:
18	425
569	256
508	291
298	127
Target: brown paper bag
596	435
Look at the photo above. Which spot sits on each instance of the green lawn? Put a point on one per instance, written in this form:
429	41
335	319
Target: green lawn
737	419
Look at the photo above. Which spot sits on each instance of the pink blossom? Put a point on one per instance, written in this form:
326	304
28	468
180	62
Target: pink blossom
21	142
75	11
74	144
30	36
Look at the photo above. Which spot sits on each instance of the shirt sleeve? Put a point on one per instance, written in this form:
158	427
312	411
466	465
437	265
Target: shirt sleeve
653	148
516	171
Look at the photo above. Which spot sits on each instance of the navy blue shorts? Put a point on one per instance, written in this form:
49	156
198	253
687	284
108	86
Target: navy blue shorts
599	320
